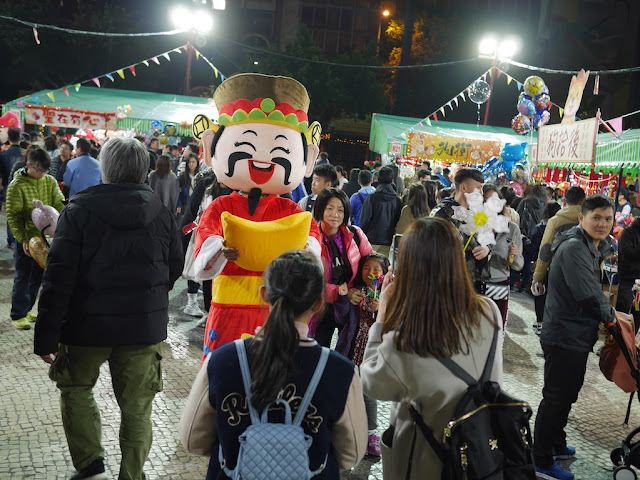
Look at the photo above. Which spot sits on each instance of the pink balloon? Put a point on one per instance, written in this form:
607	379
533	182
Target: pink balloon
44	216
517	188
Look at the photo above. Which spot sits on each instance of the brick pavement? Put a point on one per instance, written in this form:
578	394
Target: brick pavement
33	445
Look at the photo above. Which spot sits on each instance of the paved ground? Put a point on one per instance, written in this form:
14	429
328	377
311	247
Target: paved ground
33	445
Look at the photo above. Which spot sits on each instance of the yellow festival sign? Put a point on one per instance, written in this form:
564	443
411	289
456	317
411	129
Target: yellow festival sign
444	148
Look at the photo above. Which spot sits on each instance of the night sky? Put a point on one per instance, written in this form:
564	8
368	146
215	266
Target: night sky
576	34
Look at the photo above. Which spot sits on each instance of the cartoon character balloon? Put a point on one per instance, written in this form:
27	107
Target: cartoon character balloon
7	121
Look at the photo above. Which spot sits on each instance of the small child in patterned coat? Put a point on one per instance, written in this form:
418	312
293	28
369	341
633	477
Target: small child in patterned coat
355	321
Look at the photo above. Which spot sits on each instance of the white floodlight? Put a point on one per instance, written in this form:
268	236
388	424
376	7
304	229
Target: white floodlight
488	46
508	47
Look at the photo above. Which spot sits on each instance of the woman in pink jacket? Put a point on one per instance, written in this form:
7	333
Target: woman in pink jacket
342	248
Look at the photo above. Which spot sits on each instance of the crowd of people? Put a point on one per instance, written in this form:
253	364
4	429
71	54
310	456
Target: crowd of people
125	230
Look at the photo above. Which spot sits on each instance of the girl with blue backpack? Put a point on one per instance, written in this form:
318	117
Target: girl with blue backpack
276	374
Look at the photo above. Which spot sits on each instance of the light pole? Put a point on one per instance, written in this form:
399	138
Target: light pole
198	21
491	47
385	13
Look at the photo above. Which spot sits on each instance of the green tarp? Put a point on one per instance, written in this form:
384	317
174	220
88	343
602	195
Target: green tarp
145	106
388	128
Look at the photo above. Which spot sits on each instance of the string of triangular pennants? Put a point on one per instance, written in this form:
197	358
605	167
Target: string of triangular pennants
121	73
455	100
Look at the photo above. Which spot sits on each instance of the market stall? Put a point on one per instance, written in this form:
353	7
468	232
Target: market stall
114	110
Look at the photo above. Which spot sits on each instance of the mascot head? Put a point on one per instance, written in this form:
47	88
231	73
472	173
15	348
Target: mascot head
263	142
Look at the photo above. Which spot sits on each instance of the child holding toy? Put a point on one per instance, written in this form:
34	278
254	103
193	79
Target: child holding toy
354	322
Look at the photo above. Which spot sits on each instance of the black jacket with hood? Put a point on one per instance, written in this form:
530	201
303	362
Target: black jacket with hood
380	214
575	302
115	257
629	253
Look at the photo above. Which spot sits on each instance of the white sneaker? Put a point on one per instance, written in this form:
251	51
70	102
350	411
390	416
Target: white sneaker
203	321
193	310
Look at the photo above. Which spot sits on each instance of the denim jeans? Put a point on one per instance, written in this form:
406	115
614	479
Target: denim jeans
26	283
10	238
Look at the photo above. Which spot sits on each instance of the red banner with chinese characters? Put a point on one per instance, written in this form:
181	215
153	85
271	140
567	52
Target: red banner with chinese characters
67	117
444	148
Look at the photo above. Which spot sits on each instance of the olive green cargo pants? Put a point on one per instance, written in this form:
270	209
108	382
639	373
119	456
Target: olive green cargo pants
136	375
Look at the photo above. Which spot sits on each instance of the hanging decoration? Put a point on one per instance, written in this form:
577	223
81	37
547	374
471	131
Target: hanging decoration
121	74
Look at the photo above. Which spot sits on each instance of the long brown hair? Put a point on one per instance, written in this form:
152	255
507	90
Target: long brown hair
163	166
434	309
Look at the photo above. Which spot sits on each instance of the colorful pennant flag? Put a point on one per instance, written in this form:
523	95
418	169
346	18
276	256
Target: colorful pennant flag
20	103
561	111
121	73
146	62
132	69
519	85
177	50
428	121
616	123
449	105
499	73
509	78
155	59
77	86
435	116
442	110
403	135
215	70
197	54
110	77
66	91
484	77
50	95
96	81
185	48
35	100
166	55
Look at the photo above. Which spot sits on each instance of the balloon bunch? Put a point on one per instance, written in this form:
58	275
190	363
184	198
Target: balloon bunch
123	111
533	106
499	170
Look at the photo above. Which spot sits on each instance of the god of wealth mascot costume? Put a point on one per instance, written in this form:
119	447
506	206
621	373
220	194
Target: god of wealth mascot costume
7	121
262	147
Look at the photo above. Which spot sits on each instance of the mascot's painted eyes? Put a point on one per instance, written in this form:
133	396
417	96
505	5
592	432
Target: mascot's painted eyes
285	150
238	144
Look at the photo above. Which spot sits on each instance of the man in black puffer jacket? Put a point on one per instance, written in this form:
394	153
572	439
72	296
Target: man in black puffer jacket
115	257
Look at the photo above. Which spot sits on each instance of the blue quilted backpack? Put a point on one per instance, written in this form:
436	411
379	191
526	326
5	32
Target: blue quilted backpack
277	451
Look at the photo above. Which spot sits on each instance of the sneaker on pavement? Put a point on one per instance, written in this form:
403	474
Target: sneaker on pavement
568	452
553	472
95	471
373	448
203	321
538	330
22	323
31	317
193	310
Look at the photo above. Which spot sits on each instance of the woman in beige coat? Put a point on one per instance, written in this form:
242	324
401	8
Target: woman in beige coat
430	310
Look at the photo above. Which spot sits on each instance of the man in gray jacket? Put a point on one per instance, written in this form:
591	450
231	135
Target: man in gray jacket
574	309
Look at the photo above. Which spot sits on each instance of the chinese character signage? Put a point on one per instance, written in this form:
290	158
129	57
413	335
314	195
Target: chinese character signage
395	148
572	143
451	149
66	117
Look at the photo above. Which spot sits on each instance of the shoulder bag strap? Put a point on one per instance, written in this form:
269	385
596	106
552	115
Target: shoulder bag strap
428	434
313	384
246	380
361	198
488	366
356	235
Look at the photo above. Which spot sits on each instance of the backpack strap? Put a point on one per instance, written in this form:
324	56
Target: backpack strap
361	198
459	372
428	435
313	384
246	379
356	235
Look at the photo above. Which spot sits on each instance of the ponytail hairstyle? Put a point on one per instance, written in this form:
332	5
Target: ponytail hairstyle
294	283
